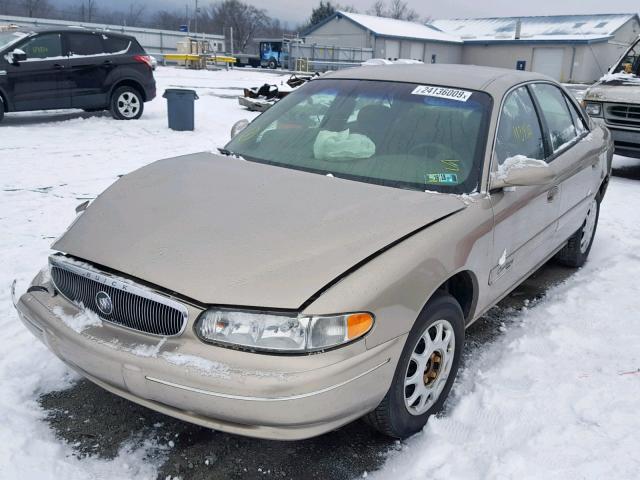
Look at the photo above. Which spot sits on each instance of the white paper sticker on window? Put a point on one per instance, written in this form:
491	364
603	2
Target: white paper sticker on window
442	92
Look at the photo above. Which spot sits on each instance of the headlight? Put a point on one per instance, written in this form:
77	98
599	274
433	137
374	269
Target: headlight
593	109
280	332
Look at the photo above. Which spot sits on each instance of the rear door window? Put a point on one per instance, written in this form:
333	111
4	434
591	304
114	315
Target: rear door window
557	116
115	44
84	44
519	132
43	46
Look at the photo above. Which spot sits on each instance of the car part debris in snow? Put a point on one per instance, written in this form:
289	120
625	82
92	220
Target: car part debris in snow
259	99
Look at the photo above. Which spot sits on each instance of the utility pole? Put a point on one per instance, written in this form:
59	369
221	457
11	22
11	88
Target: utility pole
195	27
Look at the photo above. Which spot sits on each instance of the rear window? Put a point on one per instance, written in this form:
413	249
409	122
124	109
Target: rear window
84	44
115	44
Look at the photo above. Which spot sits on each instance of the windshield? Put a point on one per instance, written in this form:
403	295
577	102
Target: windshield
389	133
7	38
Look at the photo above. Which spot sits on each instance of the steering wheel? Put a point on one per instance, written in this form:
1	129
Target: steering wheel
434	150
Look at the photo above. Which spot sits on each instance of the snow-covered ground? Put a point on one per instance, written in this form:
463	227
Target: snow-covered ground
49	163
556	396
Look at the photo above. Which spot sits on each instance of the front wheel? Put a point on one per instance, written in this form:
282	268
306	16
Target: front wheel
1	109
426	370
126	104
577	249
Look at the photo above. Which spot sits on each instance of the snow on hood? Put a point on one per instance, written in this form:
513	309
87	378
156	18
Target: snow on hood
227	231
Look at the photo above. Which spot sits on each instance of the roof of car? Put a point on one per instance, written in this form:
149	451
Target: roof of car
72	29
492	80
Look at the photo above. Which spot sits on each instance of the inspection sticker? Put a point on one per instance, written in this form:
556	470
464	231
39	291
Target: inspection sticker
442	92
441	178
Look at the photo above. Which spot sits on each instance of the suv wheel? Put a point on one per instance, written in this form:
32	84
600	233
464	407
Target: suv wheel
126	104
575	253
425	372
1	109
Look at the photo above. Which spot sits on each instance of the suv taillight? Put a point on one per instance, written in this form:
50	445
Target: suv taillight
146	59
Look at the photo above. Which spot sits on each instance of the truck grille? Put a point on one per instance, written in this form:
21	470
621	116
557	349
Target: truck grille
622	114
131	306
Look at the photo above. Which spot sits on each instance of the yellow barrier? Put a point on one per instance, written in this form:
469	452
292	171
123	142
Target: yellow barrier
192	57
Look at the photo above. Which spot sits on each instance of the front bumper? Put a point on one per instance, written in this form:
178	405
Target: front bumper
267	396
626	140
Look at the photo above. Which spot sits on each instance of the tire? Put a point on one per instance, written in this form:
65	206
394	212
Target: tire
126	104
396	416
1	109
575	252
272	64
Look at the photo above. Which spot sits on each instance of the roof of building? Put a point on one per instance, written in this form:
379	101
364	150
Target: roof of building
493	80
390	27
557	28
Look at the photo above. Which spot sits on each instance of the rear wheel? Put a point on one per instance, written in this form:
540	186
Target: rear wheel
425	372
575	253
126	104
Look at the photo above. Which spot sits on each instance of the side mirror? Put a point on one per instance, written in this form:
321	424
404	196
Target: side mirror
520	171
18	56
239	126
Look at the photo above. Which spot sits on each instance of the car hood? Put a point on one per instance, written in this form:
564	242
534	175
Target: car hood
614	92
226	231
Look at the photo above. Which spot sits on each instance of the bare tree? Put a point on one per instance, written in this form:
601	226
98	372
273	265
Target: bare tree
378	9
36	8
133	17
398	9
87	10
246	20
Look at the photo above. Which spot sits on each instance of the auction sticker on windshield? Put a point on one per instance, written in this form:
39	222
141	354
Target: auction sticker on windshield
442	92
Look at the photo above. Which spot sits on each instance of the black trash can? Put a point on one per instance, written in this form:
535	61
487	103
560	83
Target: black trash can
180	106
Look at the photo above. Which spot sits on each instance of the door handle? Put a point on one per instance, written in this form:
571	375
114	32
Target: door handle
552	193
107	62
58	66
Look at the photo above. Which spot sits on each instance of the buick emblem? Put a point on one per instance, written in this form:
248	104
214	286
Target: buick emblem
104	303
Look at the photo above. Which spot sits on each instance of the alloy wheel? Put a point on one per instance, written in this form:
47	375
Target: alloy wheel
429	367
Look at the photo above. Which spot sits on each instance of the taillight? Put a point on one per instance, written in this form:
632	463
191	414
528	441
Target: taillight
146	59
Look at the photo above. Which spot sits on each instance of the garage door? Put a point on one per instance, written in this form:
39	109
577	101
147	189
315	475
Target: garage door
392	49
417	50
548	61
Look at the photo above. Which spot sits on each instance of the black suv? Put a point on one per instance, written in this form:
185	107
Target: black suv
45	69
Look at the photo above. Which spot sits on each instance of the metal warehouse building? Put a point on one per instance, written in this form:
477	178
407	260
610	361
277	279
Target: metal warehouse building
388	38
575	48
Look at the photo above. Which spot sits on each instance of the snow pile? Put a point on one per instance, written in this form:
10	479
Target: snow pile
518	161
148	351
202	365
562	383
624	78
79	322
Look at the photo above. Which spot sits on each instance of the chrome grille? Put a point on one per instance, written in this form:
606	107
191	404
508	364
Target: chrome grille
622	114
133	306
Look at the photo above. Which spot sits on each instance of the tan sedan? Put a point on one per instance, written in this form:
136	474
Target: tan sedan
324	266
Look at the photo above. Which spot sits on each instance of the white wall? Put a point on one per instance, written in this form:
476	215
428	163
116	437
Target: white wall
340	32
444	52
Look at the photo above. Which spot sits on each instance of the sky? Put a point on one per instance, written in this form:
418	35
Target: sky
297	11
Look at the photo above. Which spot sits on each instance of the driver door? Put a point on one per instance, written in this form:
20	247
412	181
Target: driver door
38	83
525	218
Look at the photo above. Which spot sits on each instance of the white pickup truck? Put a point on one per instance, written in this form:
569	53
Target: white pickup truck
615	101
